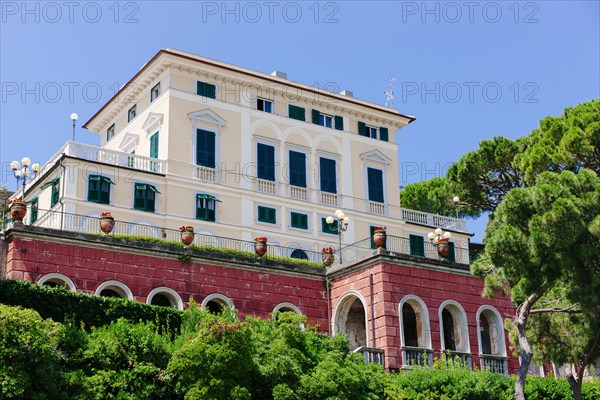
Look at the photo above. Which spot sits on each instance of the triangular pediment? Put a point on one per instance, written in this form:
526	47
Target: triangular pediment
207	116
153	122
129	142
376	156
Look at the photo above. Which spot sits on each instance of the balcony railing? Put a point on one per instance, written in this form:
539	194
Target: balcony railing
372	355
397	245
205	174
329	199
112	157
298	193
416	357
440	221
88	224
463	359
496	364
376	208
265	186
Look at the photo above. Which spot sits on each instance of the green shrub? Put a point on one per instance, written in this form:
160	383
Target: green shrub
93	311
29	355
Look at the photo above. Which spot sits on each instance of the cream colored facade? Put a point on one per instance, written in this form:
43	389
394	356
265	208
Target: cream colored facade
175	113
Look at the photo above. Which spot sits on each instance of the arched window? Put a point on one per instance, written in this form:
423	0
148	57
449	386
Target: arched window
484	335
409	321
350	317
492	345
448	326
299	254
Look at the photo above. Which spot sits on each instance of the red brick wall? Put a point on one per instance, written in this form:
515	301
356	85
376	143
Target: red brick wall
391	282
252	292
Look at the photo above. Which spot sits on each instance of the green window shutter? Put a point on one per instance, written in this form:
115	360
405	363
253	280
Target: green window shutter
206	89
315	117
339	123
33	216
55	192
362	129
139	201
94	188
267	214
383	134
329	229
299	221
154	145
417	245
296	112
451	252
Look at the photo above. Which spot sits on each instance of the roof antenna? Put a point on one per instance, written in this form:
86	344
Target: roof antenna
389	92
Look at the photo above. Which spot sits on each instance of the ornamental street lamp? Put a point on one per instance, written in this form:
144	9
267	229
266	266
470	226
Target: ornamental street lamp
74	118
456	200
439	239
22	171
342	226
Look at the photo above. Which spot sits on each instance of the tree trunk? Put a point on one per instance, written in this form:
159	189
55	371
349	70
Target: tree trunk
575	386
525	352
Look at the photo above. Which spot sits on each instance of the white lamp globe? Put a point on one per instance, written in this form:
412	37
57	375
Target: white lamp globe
329	220
25	161
14	165
35	167
455	199
74	117
346	220
430	235
447	235
438	231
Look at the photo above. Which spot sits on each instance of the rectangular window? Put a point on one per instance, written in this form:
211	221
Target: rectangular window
298	220
99	189
372	131
329	229
205	207
297	169
296	112
206	90
327	170
110	132
328	121
154	145
205	148
264	105
267	214
265	156
131	160
375	182
417	245
132	113
155	92
145	197
33	212
55	196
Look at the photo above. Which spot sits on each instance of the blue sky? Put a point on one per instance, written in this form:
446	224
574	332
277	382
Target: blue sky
466	70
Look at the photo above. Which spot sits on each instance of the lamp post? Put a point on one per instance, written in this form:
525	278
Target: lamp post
74	118
22	171
439	239
342	226
456	200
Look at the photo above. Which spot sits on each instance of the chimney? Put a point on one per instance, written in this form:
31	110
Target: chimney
279	74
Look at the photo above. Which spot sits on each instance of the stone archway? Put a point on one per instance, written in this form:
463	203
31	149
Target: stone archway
351	319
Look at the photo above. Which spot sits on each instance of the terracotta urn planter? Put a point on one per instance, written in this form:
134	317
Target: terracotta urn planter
107	223
328	259
18	209
380	239
443	249
187	235
260	246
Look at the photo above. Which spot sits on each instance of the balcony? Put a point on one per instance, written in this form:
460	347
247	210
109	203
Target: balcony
91	225
329	199
265	186
298	193
457	357
496	364
416	357
205	174
376	208
400	246
372	355
438	221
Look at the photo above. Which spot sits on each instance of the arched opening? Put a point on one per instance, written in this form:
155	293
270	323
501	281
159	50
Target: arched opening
164	297
110	293
114	289
216	303
351	319
299	254
161	300
449	330
485	335
57	280
409	321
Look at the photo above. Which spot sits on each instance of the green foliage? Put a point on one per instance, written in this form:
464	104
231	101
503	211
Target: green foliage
435	196
93	311
29	355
